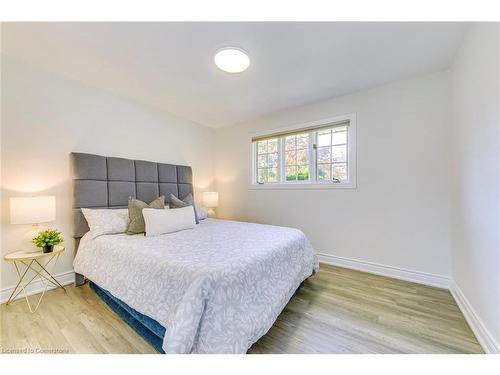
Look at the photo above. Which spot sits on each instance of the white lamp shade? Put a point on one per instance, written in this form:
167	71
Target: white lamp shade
32	210
210	199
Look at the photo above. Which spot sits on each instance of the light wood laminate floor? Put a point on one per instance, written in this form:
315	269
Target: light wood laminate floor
337	311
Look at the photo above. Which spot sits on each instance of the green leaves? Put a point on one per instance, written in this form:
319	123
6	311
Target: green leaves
49	237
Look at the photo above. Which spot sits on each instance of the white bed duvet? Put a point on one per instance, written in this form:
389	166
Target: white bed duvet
216	289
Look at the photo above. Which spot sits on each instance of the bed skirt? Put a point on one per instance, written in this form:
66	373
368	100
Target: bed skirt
149	329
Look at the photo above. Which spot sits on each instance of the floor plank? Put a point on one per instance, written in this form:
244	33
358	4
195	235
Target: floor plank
337	311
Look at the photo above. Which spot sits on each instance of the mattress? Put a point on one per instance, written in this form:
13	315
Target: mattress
216	288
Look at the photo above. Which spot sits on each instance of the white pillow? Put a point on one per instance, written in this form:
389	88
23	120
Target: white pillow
106	221
168	221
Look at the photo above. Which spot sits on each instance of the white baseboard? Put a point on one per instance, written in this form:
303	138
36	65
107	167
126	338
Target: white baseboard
389	271
64	278
482	334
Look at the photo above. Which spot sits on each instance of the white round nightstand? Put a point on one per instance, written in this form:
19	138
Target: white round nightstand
38	263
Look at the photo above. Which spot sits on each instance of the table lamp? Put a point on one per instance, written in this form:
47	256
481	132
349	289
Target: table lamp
210	201
32	210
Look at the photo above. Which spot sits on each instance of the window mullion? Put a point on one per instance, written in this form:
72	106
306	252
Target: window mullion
281	160
312	157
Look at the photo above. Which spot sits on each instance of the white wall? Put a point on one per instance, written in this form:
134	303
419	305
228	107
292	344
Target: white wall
45	117
399	213
476	175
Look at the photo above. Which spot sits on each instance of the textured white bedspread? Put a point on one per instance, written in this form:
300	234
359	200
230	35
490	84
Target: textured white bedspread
216	289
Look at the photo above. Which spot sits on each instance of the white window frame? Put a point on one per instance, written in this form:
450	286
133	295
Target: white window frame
312	183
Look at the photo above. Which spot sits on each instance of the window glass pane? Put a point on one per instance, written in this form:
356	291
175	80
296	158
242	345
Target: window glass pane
290	143
339	138
262	175
272	145
324	138
261	147
272	175
339	171
303	141
302	157
290	158
339	153
273	160
324	154
262	161
291	173
303	173
323	172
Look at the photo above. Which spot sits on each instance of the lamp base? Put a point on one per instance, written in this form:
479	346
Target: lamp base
211	213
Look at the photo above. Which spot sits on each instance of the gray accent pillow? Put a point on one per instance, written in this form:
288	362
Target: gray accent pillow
135	206
187	201
201	214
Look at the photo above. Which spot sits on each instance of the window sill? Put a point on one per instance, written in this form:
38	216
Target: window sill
303	186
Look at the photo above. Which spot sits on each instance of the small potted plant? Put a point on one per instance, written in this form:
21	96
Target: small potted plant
47	239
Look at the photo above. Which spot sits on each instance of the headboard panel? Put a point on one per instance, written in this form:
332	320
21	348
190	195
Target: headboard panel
108	182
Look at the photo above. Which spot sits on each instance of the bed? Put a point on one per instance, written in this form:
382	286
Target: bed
216	288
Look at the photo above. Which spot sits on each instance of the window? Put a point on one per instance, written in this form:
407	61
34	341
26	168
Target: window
331	151
267	160
320	154
297	157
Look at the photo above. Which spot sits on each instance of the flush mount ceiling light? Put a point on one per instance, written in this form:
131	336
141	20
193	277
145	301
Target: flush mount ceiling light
232	60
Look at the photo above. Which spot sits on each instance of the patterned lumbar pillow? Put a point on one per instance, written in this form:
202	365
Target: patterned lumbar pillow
135	207
187	201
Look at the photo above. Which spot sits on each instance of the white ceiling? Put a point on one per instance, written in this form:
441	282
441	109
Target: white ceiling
170	65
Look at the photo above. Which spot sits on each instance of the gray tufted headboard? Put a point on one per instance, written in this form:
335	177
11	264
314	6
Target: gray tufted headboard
108	182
